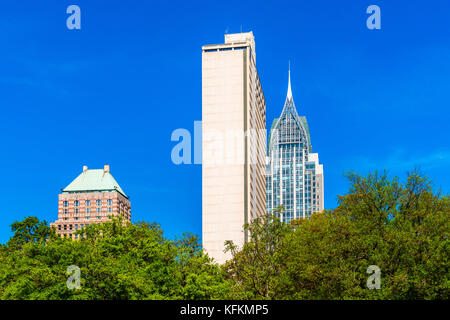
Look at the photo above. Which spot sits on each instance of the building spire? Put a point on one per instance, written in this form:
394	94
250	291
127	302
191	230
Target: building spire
289	92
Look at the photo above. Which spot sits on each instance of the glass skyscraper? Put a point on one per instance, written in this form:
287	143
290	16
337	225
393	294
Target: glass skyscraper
294	177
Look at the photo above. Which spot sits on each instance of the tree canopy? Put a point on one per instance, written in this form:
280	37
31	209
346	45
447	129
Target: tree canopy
116	261
401	228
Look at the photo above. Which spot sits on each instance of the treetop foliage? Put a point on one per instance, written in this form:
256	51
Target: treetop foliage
402	228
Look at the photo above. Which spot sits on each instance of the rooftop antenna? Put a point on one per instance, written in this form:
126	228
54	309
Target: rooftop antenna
289	94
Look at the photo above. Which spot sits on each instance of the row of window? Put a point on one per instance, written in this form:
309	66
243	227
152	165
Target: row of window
88	210
72	227
86	218
225	49
87	203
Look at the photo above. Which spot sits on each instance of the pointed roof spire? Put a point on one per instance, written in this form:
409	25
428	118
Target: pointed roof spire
289	92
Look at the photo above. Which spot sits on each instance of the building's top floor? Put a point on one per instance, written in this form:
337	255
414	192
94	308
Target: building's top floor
234	41
94	180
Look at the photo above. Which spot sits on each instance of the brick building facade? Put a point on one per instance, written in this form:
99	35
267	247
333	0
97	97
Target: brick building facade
93	197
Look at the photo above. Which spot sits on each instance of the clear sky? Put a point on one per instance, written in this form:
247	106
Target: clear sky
114	91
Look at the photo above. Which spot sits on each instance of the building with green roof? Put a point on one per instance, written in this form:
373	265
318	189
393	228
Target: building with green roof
93	197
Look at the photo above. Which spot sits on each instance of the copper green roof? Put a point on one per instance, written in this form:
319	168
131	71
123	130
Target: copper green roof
303	121
305	125
274	122
94	180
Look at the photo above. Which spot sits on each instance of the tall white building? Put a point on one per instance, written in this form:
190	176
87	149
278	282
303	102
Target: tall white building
233	142
294	177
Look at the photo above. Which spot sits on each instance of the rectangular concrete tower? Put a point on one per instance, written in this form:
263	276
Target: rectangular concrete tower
233	143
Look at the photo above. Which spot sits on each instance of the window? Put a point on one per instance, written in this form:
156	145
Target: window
99	210
77	211
65	227
109	202
88	210
77	203
88	203
109	209
66	211
76	227
59	227
99	202
66	204
87	218
98	217
70	227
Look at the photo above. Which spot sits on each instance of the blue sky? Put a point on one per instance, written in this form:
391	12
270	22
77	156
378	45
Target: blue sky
114	91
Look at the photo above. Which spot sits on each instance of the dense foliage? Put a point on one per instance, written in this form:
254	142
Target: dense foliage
116	261
401	228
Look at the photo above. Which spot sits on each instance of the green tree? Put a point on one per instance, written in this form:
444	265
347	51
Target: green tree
401	228
117	260
256	269
29	230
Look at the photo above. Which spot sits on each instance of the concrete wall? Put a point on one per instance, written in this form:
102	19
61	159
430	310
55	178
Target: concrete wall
232	103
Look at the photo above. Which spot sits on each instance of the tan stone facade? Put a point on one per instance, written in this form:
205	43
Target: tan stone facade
233	146
319	186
